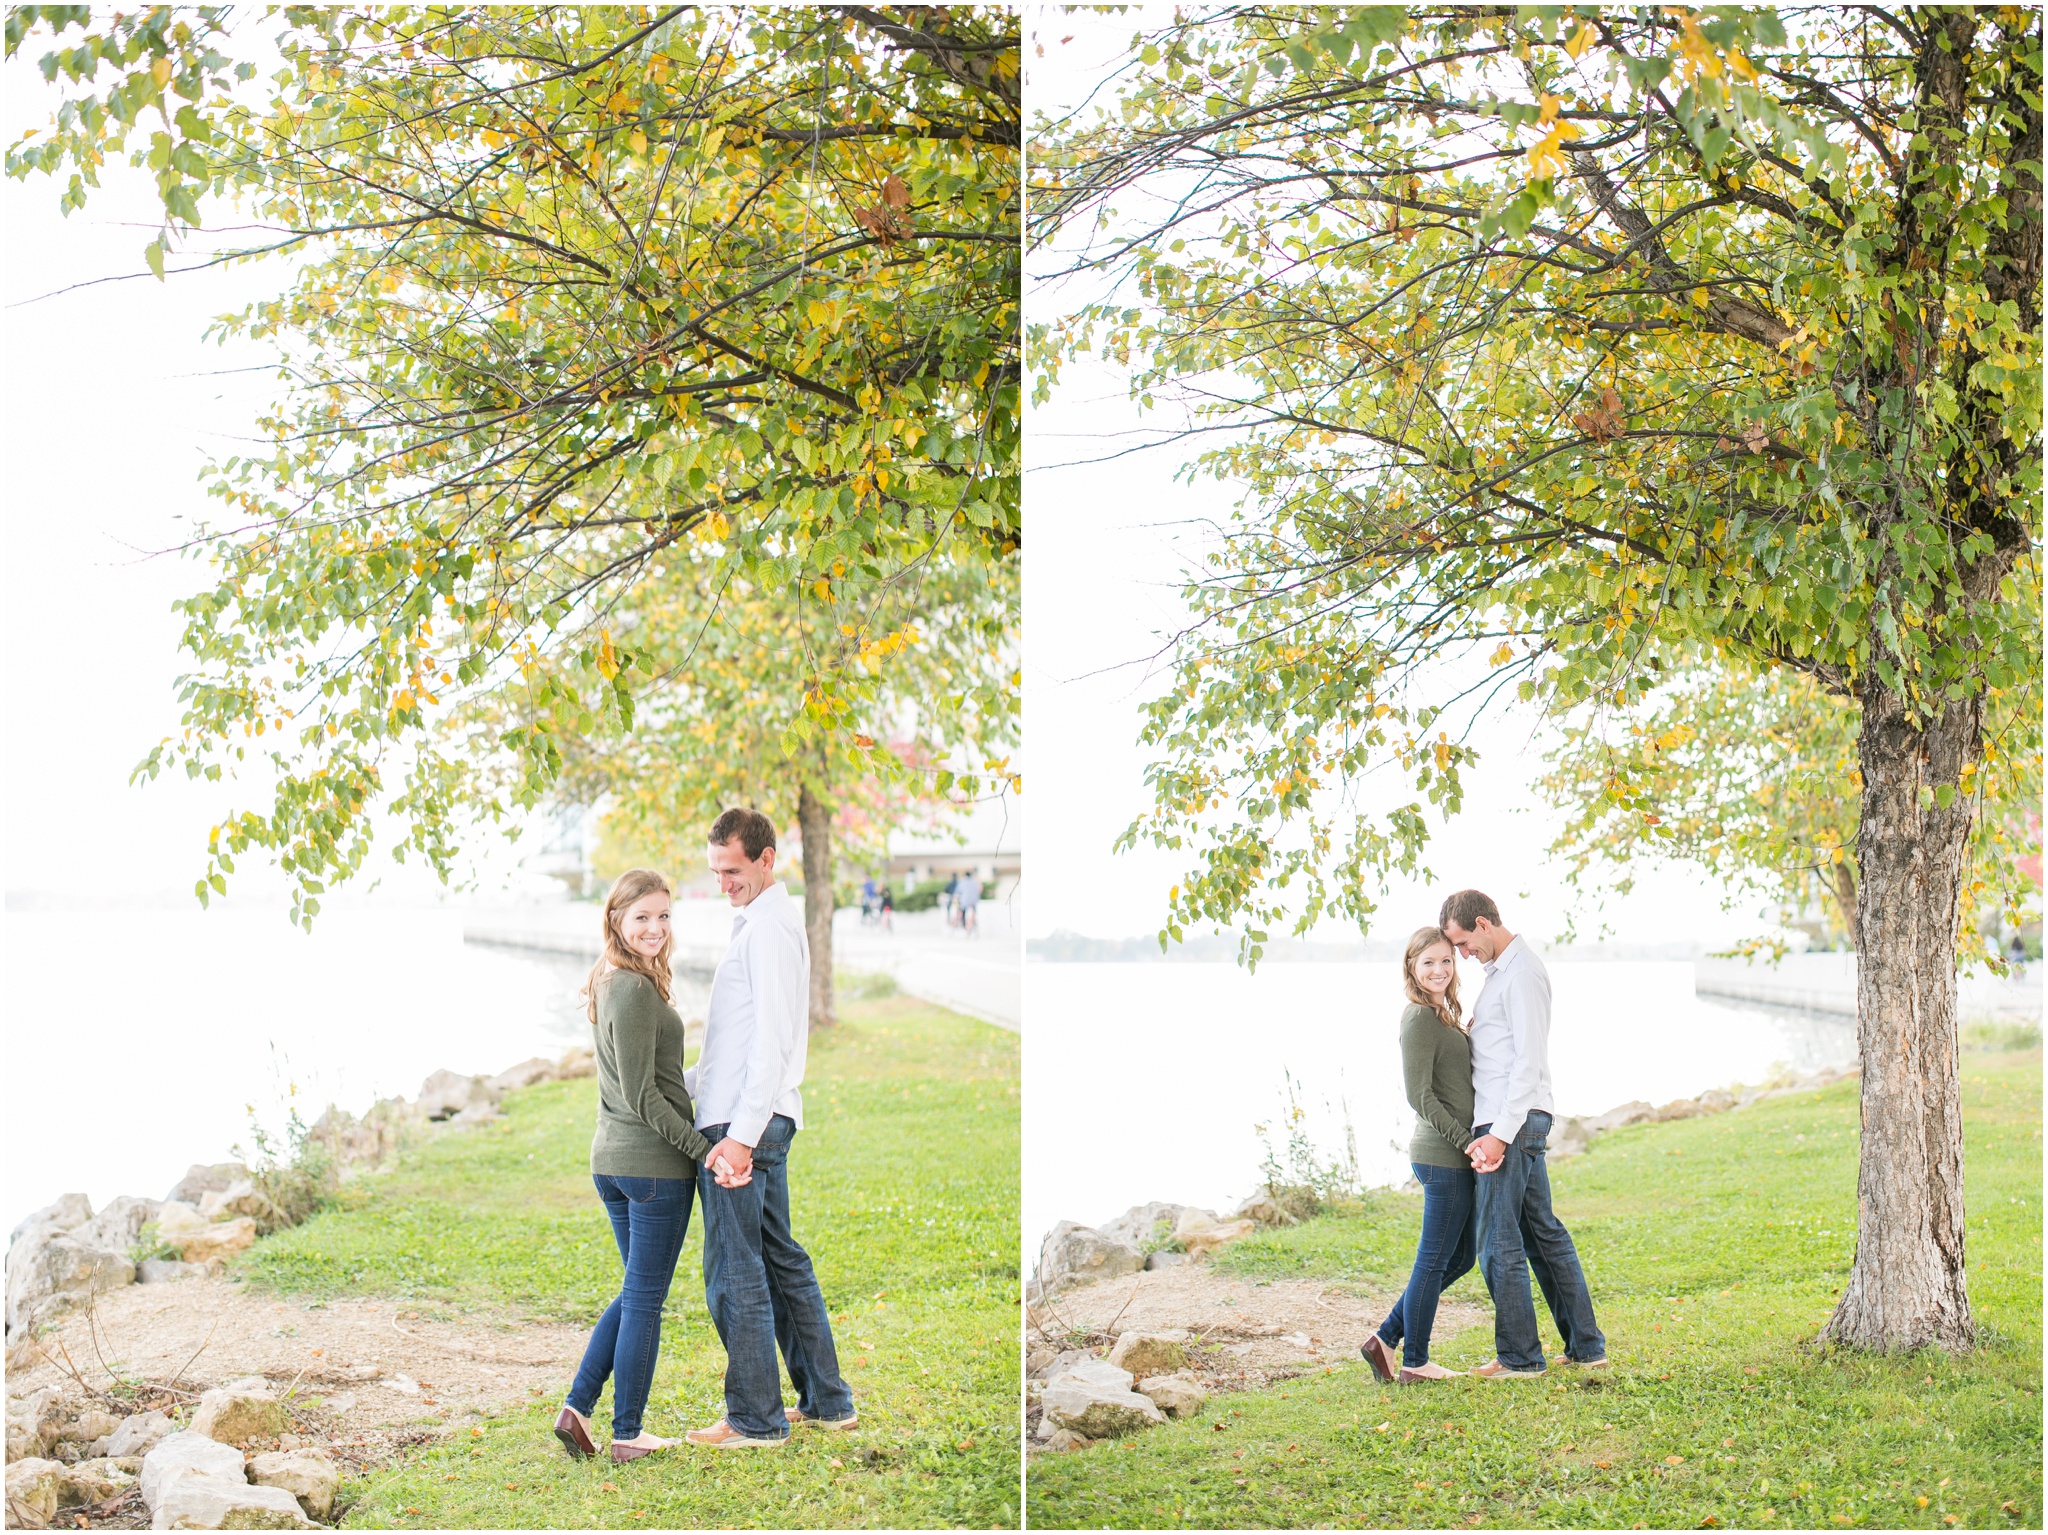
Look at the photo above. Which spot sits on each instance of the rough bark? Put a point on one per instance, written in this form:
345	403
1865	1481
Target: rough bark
814	822
1908	1287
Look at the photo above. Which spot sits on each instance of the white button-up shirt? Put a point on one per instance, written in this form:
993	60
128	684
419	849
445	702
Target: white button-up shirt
758	1023
1511	1042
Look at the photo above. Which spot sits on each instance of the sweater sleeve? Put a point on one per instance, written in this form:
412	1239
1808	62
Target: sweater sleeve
636	1030
1418	1072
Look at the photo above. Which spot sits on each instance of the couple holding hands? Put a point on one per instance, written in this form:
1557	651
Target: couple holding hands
1480	1089
654	1155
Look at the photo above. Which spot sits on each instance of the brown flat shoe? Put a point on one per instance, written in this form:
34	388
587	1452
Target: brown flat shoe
621	1453
575	1438
1376	1355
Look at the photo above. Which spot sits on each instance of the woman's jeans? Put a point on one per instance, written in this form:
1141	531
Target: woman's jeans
1450	1213
649	1219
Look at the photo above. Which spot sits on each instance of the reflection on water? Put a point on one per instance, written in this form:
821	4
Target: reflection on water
140	1043
1146	1081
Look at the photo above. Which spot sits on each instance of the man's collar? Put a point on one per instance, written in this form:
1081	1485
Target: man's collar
1505	954
769	892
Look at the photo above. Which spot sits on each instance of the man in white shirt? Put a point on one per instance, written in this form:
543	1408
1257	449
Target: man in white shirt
758	1281
1511	1117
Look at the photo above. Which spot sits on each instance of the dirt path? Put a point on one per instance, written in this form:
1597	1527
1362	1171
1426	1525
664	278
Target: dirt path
1246	1334
1260	1324
372	1375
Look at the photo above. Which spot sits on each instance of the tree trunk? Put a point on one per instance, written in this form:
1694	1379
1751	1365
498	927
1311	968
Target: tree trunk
1908	1288
1845	899
814	821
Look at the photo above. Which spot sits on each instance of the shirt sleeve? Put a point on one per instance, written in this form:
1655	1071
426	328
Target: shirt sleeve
779	986
1418	1073
1527	1001
636	1031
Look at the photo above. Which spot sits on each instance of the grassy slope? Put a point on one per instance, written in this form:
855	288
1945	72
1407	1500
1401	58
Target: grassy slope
1715	1249
904	1188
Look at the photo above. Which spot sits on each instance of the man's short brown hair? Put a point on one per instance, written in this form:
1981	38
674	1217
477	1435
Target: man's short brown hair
1466	907
754	830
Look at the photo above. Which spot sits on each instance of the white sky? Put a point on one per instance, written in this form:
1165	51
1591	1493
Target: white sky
1107	545
111	402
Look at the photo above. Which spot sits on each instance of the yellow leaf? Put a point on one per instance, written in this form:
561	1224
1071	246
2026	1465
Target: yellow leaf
639	142
1581	40
607	657
1550	104
160	71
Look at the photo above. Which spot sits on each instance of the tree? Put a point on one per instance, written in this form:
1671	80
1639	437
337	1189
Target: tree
1750	775
1601	348
580	291
729	689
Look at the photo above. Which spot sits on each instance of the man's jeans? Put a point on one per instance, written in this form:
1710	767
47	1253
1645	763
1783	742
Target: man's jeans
1442	1258
1518	1233
649	1217
762	1293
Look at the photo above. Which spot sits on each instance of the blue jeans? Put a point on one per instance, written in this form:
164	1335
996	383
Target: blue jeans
763	1295
1443	1257
1518	1233
650	1217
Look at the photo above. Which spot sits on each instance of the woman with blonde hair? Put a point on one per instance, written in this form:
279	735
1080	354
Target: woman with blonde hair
1436	1067
643	1159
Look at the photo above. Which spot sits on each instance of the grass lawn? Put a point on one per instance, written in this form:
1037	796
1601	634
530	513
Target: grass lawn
904	1187
1715	1248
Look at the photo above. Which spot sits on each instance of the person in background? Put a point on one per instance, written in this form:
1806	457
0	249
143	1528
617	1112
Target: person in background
969	900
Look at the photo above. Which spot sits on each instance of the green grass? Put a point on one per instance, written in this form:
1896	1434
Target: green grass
1715	1248
904	1186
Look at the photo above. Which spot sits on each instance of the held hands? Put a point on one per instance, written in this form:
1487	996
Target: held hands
1486	1153
732	1163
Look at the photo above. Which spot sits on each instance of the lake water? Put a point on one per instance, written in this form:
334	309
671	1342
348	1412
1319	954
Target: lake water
140	1042
1145	1081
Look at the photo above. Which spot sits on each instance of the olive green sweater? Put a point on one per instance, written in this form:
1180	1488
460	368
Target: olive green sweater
1436	1067
645	1125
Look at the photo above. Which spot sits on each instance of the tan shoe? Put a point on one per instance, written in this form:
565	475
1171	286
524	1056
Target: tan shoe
1493	1369
800	1419
723	1436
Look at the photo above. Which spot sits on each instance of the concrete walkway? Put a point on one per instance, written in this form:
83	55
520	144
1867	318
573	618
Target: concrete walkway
981	976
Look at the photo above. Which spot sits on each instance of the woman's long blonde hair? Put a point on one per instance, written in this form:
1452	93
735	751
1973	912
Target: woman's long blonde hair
1448	1010
626	889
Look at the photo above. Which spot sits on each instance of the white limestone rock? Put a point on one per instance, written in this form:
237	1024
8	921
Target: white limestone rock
309	1475
188	1454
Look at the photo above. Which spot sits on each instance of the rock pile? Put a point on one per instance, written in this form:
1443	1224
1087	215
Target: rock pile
1149	1236
1570	1137
63	1255
235	1467
1080	1398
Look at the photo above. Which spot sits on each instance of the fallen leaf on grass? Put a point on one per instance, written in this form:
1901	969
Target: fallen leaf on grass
1383	1428
1711	1522
965	1444
1674	1460
835	1463
1603	1465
